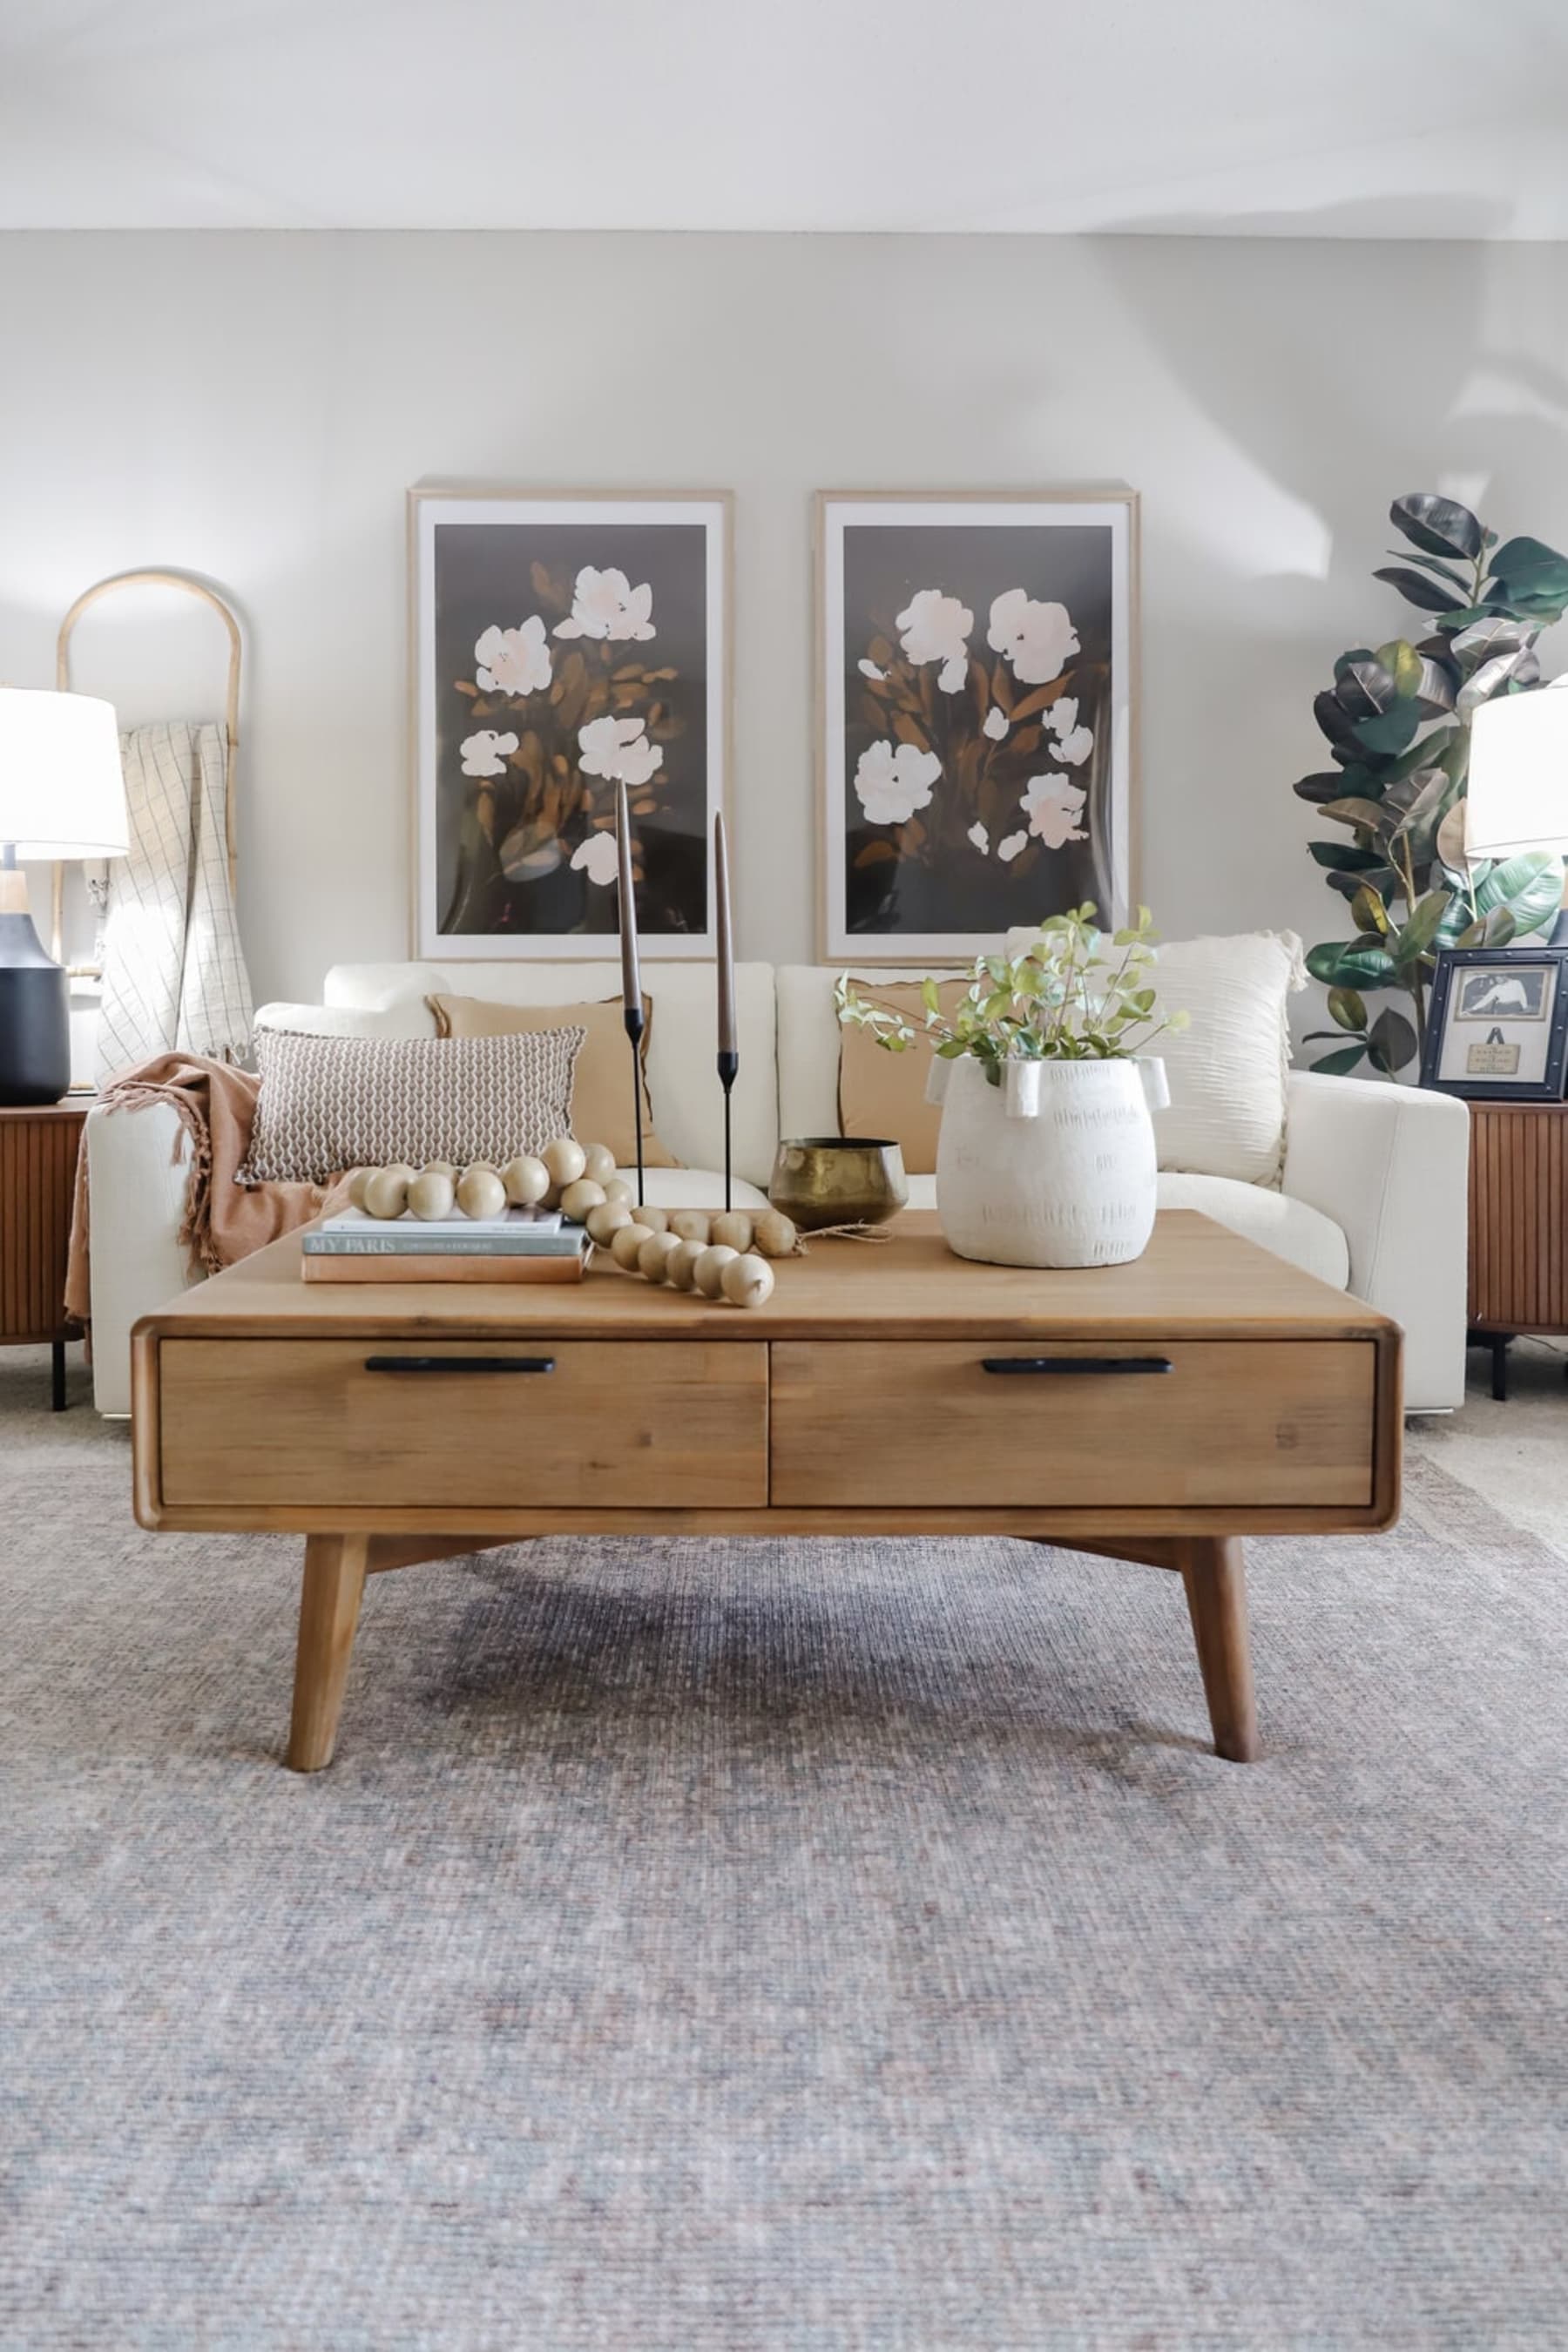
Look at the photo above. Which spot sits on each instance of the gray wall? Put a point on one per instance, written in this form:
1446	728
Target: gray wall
252	406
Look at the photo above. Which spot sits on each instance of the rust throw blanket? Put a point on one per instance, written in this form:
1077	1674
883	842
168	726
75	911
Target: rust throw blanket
222	1220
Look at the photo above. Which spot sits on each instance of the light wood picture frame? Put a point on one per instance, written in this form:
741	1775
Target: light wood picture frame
560	641
977	718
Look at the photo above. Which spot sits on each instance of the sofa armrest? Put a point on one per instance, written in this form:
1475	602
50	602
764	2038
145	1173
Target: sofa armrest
1390	1165
138	1166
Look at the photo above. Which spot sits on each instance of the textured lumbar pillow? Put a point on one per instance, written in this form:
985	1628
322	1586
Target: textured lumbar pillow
1228	1072
330	1103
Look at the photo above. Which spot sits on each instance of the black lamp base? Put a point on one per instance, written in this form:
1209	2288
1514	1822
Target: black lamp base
35	1018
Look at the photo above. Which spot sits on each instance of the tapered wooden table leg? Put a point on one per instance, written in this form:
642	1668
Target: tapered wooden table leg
328	1612
1215	1581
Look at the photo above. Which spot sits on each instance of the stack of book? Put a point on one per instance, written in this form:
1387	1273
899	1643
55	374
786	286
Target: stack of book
520	1246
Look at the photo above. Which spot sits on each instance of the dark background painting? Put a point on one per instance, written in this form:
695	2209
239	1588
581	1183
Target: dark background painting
935	881
485	573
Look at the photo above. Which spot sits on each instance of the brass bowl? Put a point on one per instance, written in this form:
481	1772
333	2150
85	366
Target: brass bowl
838	1179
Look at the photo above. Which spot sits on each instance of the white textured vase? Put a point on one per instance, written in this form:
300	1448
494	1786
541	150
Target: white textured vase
1054	1167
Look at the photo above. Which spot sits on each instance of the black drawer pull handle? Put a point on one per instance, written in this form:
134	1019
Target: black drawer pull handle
460	1363
1117	1364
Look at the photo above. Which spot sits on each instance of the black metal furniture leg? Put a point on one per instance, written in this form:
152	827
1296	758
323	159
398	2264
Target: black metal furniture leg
57	1375
1500	1369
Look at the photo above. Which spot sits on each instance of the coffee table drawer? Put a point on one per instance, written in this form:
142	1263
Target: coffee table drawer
455	1424
1222	1423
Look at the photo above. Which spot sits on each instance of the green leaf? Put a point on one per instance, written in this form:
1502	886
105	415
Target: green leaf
1363	686
1527	567
1341	1064
1391	730
1403	663
1391	1041
1347	1008
1369	913
1370	813
1326	785
1439	571
930	997
1415	588
1493	930
1492	676
1381	879
1437	526
1332	719
1351	964
1530	887
1494	634
1343	856
1418	825
1415	940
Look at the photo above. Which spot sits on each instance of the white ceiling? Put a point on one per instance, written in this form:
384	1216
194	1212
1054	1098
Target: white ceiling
1339	118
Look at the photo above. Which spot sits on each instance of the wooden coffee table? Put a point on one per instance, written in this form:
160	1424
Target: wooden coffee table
1156	1412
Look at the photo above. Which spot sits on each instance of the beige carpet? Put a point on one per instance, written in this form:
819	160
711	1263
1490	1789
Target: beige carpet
759	1945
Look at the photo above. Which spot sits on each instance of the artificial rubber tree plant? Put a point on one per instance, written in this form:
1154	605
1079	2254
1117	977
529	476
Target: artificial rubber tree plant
1397	720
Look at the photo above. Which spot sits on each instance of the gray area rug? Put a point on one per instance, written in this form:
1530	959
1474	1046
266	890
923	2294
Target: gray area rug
727	1945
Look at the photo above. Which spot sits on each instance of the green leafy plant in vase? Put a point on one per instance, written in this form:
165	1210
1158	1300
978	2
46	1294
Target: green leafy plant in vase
1045	1156
1397	722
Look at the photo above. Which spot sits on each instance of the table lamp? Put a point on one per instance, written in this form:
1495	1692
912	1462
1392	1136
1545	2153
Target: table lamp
1517	796
62	794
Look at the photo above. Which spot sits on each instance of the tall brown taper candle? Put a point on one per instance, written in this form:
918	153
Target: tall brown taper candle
728	1043
726	942
631	977
626	908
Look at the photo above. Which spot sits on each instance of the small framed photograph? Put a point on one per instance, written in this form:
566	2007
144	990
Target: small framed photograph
1498	1026
563	643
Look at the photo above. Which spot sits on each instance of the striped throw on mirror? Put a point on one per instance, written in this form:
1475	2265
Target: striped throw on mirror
173	971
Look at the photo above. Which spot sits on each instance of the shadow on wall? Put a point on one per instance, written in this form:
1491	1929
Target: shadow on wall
1292	402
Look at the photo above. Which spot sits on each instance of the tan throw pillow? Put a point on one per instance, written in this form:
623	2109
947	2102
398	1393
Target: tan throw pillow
601	1098
883	1094
332	1103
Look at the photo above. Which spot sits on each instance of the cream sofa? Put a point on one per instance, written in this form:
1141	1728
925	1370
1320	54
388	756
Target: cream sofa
1371	1196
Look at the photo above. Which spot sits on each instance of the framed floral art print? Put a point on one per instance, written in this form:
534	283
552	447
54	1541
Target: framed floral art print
976	664
563	644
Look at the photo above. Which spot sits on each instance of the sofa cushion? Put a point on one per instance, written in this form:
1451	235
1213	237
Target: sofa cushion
883	1094
601	1093
683	1086
330	1103
1303	1236
1229	1070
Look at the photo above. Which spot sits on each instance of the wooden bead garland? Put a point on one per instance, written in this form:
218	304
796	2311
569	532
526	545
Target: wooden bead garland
721	1256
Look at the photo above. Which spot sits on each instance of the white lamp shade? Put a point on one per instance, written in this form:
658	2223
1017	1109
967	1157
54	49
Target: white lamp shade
1517	796
62	789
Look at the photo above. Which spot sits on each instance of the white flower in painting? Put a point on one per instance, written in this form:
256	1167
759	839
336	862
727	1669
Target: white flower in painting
981	838
606	605
891	785
513	661
1007	850
484	754
596	857
936	629
1074	748
1054	808
1062	716
994	723
618	749
870	669
1037	639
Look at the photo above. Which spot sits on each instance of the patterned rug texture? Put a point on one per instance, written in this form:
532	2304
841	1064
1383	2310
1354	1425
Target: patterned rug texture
701	1946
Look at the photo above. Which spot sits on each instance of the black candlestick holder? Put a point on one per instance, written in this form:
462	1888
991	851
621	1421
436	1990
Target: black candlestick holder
729	1071
633	1017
